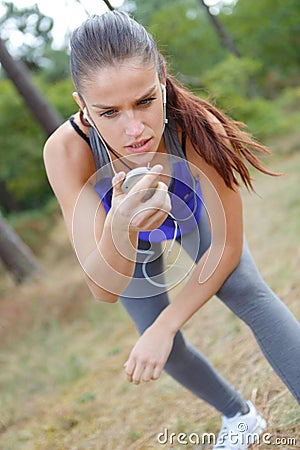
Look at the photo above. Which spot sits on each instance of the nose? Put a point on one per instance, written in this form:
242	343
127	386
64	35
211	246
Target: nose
134	127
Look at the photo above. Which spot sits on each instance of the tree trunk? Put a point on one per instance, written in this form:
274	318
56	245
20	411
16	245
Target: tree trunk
224	36
228	43
16	255
7	200
108	4
43	112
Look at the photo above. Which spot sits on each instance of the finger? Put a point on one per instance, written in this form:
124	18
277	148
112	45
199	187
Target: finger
156	373
153	213
157	194
159	199
129	369
117	183
148	373
157	191
129	377
148	219
150	222
137	374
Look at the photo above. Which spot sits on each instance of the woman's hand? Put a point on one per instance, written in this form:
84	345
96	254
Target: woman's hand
132	211
149	355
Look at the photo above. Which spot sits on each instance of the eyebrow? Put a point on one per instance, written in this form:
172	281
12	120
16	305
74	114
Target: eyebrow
146	94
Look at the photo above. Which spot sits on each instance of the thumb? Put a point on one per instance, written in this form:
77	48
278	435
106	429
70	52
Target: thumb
117	183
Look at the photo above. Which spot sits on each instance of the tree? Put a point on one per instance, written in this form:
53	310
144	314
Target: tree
108	4
183	34
7	200
268	31
44	113
36	31
225	37
15	255
23	182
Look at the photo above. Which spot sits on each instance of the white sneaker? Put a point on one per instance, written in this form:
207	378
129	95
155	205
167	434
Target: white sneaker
240	431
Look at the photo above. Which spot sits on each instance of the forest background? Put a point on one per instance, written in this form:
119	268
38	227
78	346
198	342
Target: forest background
255	79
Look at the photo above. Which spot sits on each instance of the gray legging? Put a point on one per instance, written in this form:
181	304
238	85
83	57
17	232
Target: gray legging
275	328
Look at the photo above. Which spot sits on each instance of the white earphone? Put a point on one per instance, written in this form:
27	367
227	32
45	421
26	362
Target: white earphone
164	92
87	117
90	121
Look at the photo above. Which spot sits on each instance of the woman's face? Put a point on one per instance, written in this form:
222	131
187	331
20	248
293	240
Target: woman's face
125	103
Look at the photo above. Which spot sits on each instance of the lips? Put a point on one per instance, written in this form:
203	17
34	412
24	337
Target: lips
140	146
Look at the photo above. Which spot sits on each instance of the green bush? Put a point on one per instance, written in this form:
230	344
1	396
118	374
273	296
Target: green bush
232	84
22	140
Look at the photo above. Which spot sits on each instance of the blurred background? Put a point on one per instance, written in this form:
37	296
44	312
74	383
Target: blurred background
60	350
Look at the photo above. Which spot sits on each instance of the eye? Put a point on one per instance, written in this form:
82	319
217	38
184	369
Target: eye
110	113
147	101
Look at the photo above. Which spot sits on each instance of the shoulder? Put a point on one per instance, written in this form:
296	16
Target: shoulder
68	150
65	137
69	166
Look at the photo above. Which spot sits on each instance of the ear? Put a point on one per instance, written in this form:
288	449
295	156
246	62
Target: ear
82	107
78	100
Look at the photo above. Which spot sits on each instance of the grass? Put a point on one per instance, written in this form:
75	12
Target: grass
61	352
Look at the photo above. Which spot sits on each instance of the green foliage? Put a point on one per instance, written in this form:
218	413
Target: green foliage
264	30
59	94
183	32
22	140
269	30
230	78
229	83
56	66
143	11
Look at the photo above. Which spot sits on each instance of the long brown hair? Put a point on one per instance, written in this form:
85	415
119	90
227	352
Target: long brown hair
114	37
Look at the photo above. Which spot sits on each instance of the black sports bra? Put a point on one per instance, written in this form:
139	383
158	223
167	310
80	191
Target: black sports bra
78	130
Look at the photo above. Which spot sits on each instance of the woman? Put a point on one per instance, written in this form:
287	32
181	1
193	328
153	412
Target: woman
134	115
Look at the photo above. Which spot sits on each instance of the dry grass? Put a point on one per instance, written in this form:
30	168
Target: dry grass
62	383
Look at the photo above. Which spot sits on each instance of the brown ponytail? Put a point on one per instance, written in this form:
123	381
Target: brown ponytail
228	152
